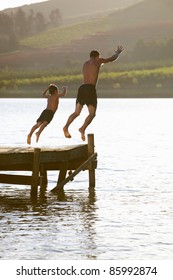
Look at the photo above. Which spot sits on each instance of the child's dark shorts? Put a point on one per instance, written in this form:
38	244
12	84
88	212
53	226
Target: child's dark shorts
87	95
46	116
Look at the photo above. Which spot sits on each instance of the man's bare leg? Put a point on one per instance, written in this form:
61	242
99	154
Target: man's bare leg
88	120
37	136
66	132
72	117
82	134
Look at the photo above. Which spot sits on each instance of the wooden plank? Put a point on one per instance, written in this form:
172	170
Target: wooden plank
23	150
18	179
73	164
73	174
15	179
16	167
10	156
6	159
64	155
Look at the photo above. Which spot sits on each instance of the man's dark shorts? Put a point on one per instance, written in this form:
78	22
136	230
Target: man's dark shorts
46	116
87	95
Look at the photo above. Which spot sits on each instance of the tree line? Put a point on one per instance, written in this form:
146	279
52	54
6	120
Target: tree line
152	50
18	25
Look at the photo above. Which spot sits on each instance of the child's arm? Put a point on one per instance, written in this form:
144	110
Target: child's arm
64	92
46	92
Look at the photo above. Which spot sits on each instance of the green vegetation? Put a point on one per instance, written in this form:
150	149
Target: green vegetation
47	52
19	25
157	78
164	74
58	36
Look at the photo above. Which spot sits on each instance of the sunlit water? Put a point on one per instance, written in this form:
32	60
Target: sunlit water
129	215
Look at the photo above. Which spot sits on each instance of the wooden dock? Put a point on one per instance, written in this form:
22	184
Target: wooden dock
68	160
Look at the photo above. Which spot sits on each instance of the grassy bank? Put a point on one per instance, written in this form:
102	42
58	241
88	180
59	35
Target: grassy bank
31	83
105	92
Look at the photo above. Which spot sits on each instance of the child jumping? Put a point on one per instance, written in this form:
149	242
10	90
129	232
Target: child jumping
52	94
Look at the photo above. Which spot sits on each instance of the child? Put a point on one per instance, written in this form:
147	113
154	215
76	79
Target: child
52	95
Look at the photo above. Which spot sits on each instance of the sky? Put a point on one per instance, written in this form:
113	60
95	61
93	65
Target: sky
5	4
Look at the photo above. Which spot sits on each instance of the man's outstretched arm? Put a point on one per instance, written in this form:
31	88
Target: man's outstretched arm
113	57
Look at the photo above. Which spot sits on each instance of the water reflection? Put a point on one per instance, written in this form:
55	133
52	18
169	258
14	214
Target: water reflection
46	225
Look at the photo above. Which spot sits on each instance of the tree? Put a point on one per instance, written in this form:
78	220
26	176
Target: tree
20	22
55	18
3	43
40	22
6	24
30	22
13	42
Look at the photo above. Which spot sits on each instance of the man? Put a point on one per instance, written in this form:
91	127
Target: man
87	91
52	94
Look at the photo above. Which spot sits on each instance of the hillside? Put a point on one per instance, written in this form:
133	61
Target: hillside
76	10
147	19
144	12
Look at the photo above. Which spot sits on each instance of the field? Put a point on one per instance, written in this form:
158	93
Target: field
57	54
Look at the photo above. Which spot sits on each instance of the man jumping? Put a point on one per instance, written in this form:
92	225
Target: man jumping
87	91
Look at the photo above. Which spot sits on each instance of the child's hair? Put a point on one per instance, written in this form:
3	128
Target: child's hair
52	89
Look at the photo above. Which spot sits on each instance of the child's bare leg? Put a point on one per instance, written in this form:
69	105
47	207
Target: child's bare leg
44	124
29	139
31	132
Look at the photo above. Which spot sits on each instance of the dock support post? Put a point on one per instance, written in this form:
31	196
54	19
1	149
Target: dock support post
90	152
43	173
62	173
35	172
43	179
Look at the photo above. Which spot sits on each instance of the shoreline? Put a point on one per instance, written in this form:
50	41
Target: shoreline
140	92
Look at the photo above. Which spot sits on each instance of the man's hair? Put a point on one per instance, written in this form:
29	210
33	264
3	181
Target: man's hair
52	89
94	53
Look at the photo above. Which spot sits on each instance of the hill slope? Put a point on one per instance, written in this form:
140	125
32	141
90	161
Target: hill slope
76	10
144	20
145	12
148	19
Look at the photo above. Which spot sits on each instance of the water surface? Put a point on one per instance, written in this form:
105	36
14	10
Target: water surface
128	215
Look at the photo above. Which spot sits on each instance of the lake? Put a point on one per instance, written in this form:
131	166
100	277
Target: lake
128	215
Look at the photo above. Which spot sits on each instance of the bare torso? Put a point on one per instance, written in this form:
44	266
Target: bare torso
92	66
91	71
52	102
